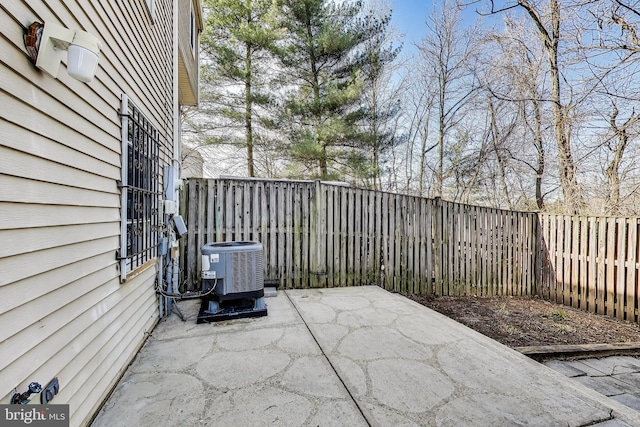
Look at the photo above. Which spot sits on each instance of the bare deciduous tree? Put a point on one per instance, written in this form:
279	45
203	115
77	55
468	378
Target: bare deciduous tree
446	55
547	20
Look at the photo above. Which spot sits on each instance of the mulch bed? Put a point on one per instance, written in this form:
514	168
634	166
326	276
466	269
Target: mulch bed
531	321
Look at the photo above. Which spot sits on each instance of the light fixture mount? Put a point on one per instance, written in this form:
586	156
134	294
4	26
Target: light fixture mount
47	43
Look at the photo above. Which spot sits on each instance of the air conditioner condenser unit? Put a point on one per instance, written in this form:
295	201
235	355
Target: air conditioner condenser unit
233	279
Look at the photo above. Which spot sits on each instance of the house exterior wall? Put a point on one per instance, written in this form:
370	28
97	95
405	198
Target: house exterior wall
190	18
63	310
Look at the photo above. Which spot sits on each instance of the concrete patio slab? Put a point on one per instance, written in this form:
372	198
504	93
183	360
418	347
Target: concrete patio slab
344	357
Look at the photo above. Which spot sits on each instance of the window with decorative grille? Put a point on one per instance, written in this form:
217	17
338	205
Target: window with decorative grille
140	189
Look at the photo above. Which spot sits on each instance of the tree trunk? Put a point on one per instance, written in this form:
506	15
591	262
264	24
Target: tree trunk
566	167
613	169
322	161
538	143
441	130
495	139
248	107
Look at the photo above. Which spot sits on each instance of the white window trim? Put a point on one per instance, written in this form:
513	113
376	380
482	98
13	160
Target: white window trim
151	8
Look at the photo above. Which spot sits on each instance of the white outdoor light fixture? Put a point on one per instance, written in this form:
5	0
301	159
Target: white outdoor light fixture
46	44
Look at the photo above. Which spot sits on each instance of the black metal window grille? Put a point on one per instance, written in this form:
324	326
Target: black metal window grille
142	188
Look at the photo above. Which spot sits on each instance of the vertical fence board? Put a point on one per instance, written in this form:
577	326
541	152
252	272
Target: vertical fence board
428	241
368	238
610	266
454	249
385	261
456	242
575	264
359	244
247	229
501	280
307	242
297	236
542	259
447	230
377	237
601	290
272	251
283	258
192	267
182	243
407	271
630	265
549	256
555	283
636	266
419	231
219	214
620	270
200	231
351	236
238	212
437	248
211	212
488	257
288	235
346	218
565	254
475	286
333	250
583	256
398	240
254	212
592	233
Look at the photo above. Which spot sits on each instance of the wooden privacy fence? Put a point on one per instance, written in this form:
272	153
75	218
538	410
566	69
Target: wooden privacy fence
318	234
591	263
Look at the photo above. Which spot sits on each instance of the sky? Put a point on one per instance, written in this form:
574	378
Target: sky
409	17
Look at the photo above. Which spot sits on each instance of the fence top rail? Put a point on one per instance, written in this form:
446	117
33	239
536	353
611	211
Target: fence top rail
595	217
301	181
346	185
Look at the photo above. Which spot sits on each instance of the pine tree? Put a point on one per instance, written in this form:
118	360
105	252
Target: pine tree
381	97
236	46
323	53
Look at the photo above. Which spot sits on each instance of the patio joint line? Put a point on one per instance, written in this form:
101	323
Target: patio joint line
355	401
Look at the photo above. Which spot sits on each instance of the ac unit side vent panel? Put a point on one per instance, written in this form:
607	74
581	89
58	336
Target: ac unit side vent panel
247	272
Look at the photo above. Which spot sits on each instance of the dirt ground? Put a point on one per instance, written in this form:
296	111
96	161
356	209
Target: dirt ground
524	321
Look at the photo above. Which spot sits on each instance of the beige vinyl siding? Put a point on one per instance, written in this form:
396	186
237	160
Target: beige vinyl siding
23	215
63	309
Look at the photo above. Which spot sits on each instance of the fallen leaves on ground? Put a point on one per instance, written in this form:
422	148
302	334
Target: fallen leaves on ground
529	321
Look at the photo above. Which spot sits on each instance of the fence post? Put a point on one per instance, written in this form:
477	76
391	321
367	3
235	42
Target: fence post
182	245
317	241
437	247
191	244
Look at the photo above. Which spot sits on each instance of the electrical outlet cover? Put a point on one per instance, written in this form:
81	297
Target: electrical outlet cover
49	391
